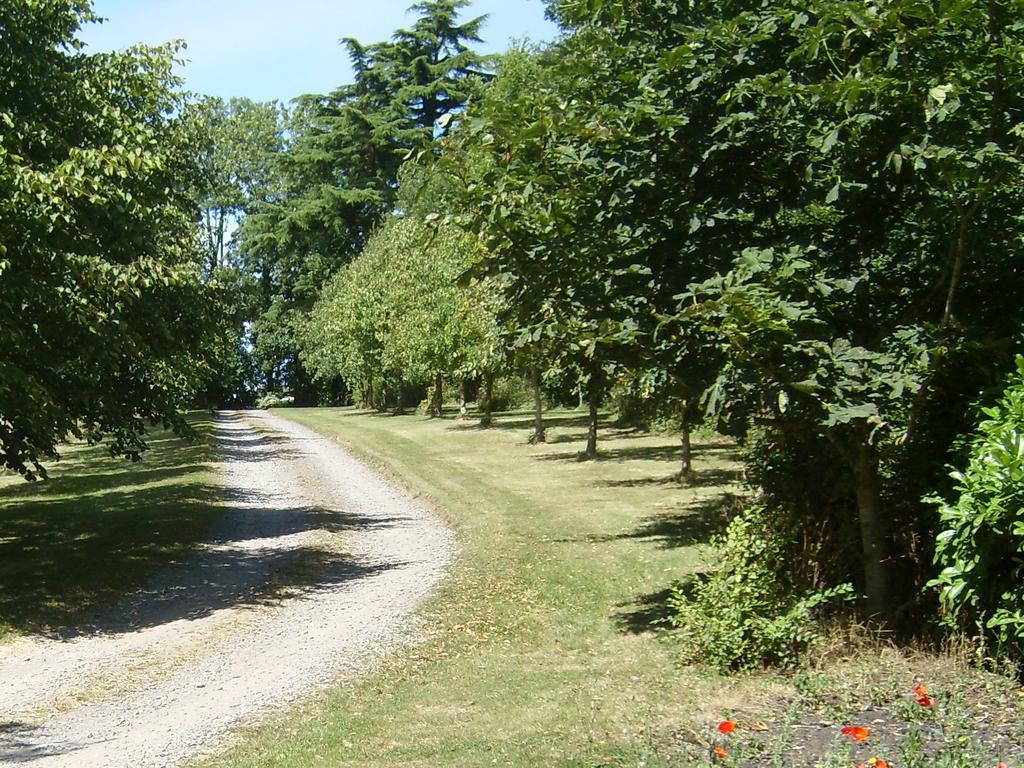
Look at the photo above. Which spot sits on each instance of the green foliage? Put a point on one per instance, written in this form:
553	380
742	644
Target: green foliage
745	614
104	322
238	140
397	313
981	546
510	393
338	175
812	210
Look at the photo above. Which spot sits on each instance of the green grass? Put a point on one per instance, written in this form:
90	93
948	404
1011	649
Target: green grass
537	650
98	528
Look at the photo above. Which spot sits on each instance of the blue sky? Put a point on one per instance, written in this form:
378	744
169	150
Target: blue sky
268	49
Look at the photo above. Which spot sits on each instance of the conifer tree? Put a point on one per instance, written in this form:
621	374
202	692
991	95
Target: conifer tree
340	173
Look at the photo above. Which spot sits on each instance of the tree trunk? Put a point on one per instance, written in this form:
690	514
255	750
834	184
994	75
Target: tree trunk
686	470
488	403
463	410
219	258
437	399
593	402
538	435
874	551
399	408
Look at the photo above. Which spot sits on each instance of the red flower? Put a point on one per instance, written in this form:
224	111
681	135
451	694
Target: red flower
855	732
920	690
926	701
1002	765
720	752
726	726
874	762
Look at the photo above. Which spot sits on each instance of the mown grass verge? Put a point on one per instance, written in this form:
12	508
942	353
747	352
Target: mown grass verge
98	528
538	649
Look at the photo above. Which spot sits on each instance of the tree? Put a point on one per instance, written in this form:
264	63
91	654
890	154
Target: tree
397	314
240	139
883	153
340	170
104	323
784	202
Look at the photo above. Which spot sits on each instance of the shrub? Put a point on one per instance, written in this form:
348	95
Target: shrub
981	546
272	400
510	393
745	614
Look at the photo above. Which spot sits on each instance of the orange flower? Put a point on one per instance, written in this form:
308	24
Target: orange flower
855	732
874	762
920	690
926	701
726	726
720	752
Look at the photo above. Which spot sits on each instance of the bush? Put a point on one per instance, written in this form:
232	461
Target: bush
510	393
744	614
272	400
981	546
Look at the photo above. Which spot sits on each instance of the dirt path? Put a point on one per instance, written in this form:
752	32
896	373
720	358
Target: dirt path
312	573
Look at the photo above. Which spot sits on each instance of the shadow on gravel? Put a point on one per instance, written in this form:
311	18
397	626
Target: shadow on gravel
231	578
65	555
23	743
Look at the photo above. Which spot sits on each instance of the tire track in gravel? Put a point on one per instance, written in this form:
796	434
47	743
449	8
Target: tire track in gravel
312	574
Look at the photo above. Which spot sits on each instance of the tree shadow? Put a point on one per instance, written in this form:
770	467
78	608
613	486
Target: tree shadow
21	743
223	578
710	476
523	420
95	537
695	524
646	614
662	453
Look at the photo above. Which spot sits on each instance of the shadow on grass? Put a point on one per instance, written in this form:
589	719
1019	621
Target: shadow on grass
701	478
523	420
695	524
647	613
644	453
83	540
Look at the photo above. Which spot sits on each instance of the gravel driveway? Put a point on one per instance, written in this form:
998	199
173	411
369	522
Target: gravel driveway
311	575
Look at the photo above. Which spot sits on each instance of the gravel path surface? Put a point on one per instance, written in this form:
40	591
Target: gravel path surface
312	574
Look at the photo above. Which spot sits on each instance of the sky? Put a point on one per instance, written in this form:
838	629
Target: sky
269	49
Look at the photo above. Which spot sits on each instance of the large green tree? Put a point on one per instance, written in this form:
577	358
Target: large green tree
238	141
104	323
340	171
788	200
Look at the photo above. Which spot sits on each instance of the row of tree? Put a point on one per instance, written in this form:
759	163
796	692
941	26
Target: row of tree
800	221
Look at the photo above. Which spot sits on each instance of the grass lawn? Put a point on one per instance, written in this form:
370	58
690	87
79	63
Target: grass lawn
539	650
98	528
